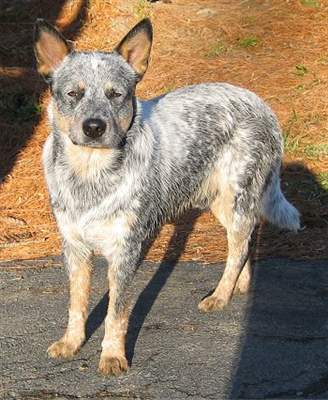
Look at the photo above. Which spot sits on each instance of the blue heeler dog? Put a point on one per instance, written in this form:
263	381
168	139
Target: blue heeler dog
117	168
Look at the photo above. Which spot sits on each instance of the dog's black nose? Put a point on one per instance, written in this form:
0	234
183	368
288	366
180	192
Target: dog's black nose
94	127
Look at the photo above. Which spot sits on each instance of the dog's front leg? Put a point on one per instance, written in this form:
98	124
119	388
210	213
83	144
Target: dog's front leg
121	271
79	269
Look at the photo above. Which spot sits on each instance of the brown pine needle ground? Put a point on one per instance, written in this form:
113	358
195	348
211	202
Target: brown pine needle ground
279	49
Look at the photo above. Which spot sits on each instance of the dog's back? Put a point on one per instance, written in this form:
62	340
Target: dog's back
208	138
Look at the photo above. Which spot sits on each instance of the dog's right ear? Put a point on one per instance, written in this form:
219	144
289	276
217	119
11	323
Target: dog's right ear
50	48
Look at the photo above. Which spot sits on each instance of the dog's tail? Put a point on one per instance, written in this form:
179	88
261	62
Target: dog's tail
277	209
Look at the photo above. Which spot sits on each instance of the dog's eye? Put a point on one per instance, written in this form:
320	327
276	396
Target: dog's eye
72	93
75	94
111	93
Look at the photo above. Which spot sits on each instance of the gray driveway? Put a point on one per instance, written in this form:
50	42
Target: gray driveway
272	343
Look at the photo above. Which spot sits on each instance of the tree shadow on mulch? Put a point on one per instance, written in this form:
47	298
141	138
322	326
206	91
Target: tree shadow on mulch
20	85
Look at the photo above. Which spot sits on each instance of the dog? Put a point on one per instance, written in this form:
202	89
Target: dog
118	168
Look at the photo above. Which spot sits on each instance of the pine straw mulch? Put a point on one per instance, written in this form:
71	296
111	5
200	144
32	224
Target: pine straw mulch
279	49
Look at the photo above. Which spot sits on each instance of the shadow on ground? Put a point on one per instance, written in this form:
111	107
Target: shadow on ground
20	86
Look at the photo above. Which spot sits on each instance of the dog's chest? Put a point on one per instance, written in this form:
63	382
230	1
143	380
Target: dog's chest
75	195
78	178
81	218
76	198
104	235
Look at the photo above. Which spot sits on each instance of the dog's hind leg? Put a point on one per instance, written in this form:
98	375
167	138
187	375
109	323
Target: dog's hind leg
222	210
239	230
79	268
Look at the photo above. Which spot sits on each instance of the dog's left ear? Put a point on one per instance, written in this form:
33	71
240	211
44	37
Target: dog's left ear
135	46
50	48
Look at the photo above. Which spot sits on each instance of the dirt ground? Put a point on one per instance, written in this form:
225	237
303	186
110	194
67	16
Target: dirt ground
278	48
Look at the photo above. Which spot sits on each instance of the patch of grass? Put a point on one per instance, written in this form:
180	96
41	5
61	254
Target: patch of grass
292	119
142	9
316	150
18	107
316	82
301	70
291	143
216	49
248	42
300	88
323	180
310	3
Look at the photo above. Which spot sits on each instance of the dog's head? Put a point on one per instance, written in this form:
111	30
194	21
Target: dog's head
92	92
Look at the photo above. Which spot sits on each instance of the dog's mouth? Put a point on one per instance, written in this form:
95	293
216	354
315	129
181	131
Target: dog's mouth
91	144
104	142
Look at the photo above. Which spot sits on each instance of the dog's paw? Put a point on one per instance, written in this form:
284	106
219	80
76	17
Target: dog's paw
211	303
112	365
62	349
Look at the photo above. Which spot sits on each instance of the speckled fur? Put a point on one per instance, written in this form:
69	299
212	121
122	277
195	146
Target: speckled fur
211	145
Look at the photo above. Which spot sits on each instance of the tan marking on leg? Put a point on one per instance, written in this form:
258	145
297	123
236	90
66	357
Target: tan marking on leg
222	207
74	336
237	256
245	278
238	243
113	360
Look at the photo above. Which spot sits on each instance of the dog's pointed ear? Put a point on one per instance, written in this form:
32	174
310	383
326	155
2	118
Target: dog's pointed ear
50	48
135	46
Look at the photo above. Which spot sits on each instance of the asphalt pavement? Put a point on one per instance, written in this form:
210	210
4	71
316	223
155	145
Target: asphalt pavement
269	344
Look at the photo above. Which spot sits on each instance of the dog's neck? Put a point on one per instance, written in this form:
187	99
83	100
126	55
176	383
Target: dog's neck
86	162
